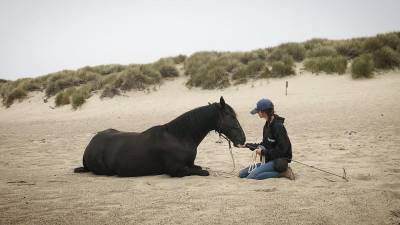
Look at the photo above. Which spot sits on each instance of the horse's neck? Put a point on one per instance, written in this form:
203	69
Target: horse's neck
196	128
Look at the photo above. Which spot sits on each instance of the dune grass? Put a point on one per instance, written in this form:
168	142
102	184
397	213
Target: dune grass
213	70
328	64
362	66
75	86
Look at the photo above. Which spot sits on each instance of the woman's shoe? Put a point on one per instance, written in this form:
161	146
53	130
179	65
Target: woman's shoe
288	174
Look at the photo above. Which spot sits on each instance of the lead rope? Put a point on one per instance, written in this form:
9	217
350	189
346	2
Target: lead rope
233	171
344	176
253	165
230	152
254	162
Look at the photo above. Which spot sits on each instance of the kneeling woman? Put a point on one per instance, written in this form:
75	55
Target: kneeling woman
275	147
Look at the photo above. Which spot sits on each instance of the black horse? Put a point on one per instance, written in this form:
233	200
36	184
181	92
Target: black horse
170	148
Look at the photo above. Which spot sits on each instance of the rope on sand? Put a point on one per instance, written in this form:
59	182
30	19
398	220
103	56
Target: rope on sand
254	164
233	172
344	176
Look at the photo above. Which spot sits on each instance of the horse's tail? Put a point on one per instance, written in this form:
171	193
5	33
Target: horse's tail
80	170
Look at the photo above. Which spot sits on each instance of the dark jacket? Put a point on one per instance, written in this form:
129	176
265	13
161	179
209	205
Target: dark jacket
276	143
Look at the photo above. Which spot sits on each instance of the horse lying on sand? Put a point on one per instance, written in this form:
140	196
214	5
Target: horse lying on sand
166	149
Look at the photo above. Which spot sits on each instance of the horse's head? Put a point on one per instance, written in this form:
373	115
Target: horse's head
228	124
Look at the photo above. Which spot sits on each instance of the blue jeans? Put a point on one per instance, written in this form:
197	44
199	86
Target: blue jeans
263	171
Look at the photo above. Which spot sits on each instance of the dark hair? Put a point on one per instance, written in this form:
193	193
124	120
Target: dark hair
270	112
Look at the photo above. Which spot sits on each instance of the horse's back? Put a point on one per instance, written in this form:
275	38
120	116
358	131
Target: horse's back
112	152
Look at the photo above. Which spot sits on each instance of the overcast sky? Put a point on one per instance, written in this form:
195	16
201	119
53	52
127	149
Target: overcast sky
42	36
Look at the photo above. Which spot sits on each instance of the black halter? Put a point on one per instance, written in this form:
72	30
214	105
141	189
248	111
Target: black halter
218	130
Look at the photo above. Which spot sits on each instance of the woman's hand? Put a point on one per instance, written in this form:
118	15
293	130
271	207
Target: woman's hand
258	151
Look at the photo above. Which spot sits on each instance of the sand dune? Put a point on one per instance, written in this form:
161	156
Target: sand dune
334	122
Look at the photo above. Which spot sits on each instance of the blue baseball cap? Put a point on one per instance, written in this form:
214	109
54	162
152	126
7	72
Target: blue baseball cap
262	104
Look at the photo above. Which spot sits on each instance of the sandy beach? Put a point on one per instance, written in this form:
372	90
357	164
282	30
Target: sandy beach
334	122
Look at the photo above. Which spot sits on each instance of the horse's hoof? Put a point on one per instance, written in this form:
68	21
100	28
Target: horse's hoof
204	173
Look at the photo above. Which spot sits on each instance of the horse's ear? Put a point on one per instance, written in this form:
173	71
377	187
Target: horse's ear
222	102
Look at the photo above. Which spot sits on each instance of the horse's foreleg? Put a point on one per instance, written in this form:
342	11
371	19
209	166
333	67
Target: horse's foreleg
187	171
193	166
191	162
177	165
178	169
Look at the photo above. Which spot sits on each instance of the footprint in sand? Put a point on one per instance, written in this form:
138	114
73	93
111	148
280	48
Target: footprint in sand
337	146
266	190
394	170
20	182
363	177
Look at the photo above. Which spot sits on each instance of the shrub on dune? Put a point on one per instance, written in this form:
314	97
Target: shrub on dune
30	84
210	79
280	69
169	71
162	62
226	61
261	54
196	61
84	77
350	48
371	44
391	40
64	97
362	66
386	58
322	51
109	91
315	43
101	69
61	99
78	97
61	80
137	78
240	75
15	94
248	57
216	78
283	67
288	60
77	100
254	67
179	59
327	64
266	73
153	76
295	50
57	86
215	66
276	54
18	89
231	65
133	80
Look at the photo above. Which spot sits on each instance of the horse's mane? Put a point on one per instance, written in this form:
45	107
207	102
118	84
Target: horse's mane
202	118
